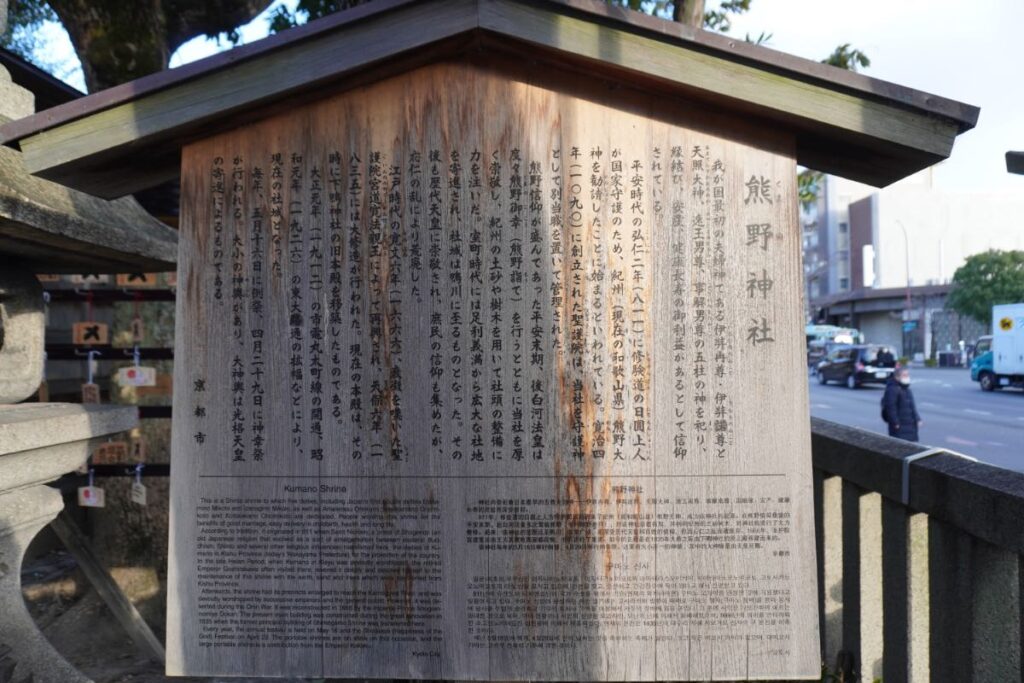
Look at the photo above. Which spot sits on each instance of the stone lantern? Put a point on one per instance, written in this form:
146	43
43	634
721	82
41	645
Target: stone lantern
47	228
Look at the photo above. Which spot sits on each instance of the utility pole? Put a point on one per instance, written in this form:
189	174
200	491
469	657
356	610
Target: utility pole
906	305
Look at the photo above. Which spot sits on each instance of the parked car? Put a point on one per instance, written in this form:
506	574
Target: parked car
858	364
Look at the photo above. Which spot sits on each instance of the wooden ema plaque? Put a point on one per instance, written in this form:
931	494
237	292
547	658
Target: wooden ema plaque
490	380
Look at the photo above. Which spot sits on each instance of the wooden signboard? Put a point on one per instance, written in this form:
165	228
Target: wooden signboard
139	280
489	380
111	453
164	385
90	279
90	333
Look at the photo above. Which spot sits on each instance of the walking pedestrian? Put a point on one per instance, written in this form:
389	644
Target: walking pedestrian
898	408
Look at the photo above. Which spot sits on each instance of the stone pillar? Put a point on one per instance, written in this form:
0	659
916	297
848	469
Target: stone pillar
905	594
952	606
832	568
21	333
996	627
919	605
869	566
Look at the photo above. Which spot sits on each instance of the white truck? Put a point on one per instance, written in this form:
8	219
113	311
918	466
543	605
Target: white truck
1003	364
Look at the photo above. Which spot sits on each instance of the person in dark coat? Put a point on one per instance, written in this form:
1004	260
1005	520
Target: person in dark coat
898	406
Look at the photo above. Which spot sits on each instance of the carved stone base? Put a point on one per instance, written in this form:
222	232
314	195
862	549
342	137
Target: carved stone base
25	654
38	443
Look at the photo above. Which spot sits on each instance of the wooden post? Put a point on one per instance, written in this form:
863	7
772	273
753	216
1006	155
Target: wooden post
111	594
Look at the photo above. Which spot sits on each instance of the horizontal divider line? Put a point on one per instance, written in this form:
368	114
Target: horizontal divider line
471	476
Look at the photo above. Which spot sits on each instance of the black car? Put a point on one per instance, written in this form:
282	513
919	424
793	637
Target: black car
857	364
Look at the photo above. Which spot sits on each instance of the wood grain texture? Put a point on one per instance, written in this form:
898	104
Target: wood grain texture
556	428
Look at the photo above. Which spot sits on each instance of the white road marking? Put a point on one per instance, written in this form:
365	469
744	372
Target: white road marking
821	405
926	404
947	386
961	442
994	443
972	411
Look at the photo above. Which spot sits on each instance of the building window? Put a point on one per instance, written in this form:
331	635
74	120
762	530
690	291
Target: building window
844	283
844	227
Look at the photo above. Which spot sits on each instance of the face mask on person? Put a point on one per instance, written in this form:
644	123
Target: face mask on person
905	380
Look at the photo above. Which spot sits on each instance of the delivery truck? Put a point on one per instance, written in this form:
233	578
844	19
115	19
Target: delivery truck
1002	365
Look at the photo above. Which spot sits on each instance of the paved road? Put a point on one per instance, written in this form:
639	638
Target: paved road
956	413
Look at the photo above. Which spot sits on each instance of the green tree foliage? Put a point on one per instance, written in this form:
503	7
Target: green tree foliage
986	279
721	18
846	57
808	184
307	10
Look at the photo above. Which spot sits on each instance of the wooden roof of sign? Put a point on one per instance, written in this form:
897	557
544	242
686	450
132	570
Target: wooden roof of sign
129	137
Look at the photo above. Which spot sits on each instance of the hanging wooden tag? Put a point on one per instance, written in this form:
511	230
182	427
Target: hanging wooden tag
137	448
137	376
90	333
90	279
111	453
90	392
138	493
91	497
138	330
162	386
136	280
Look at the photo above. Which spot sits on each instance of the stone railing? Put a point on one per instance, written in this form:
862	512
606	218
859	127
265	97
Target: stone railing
919	560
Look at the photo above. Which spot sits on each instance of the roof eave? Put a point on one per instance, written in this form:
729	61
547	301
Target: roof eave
844	123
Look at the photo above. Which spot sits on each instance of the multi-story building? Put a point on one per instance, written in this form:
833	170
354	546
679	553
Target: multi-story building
882	260
827	237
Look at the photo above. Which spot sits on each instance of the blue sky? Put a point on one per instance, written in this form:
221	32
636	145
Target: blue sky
963	51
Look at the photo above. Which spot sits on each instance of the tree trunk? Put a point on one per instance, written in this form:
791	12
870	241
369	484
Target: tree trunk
119	41
689	12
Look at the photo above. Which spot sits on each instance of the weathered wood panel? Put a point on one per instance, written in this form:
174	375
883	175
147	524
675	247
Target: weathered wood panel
485	378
